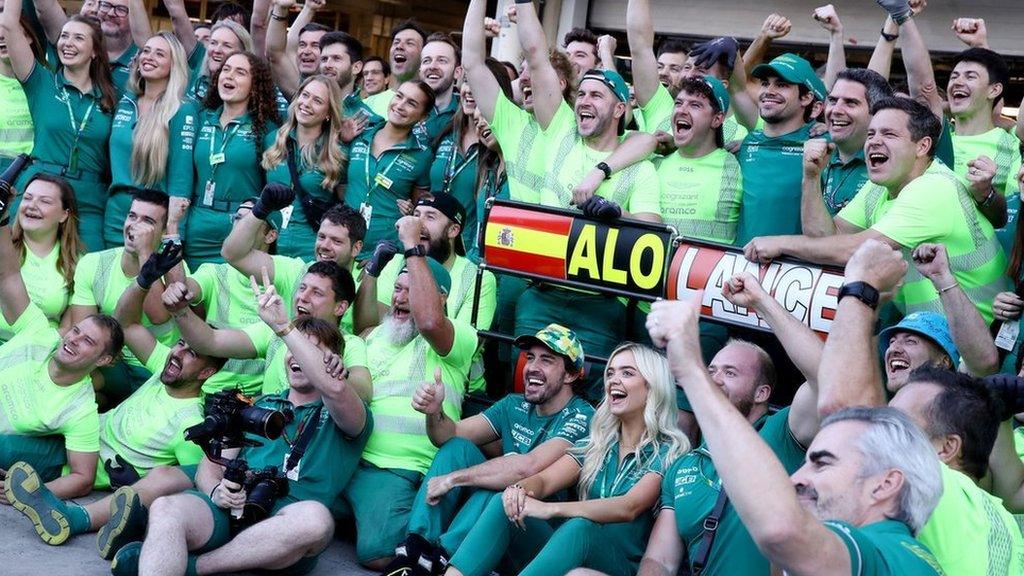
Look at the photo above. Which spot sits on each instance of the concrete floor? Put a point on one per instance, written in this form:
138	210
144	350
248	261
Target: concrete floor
22	553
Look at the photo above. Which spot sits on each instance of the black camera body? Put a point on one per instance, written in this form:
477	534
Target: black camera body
262	488
229	415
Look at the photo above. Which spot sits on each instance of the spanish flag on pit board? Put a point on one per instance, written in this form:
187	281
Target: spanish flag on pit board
527	241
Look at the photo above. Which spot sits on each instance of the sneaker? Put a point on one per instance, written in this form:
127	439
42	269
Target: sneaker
26	493
126	561
413	557
128	518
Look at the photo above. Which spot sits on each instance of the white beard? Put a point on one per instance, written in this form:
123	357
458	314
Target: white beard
399	333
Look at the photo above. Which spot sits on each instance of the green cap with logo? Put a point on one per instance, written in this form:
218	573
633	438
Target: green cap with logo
616	83
441	275
720	92
795	70
558	339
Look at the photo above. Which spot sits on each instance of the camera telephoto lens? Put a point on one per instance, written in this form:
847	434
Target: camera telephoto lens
262	422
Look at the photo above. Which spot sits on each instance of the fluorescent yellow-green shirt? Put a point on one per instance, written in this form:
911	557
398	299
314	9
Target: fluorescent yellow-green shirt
701	197
46	288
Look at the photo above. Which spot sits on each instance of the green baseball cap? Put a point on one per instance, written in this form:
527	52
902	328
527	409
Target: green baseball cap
795	70
275	218
616	83
441	275
719	90
558	339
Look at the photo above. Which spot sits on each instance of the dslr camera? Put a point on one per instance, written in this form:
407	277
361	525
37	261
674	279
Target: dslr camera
229	415
262	488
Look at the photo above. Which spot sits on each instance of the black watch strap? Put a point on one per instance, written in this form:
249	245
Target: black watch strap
416	250
862	291
604	167
889	37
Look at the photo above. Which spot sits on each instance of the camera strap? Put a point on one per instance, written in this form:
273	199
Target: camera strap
308	429
708	538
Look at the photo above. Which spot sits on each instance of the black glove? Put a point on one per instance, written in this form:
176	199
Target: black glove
1009	389
159	263
123	474
274	197
899	10
600	209
706	54
7	180
382	254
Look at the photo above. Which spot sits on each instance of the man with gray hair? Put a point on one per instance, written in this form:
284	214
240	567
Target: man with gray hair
870	481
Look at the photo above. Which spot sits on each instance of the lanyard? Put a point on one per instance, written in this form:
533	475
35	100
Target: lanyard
620	475
77	127
830	190
303	435
381	174
218	158
451	170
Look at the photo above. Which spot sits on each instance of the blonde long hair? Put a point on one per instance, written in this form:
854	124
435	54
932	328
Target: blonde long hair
151	136
660	426
325	154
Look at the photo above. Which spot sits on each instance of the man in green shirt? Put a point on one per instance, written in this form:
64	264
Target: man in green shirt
407	40
770	157
415	343
870	481
914	201
48	414
835	171
441	69
193	532
534	428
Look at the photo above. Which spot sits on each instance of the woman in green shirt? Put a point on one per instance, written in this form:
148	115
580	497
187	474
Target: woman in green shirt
454	168
16	132
236	126
153	133
618	470
226	37
308	148
45	232
72	109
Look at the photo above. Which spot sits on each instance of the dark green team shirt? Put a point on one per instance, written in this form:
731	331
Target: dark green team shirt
521	429
120	69
330	458
376	184
178	176
455	173
885	549
840	181
772	183
429	129
691	488
495	185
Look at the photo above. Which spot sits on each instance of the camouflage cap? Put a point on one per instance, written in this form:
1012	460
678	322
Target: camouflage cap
558	339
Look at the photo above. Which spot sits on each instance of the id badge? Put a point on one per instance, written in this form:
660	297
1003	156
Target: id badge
383	181
366	211
216	159
293	474
208	192
286	215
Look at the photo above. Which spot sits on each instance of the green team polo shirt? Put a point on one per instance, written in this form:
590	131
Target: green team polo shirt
455	173
30	403
288	273
221	187
352	103
691	488
148	428
935	207
276	378
772	183
49	95
378	103
16	132
701	197
46	287
376	184
429	129
310	479
226	295
120	68
634	188
519	135
100	282
656	116
1003	148
970	532
177	179
297	237
399	438
616	478
494	185
840	181
522	429
884	548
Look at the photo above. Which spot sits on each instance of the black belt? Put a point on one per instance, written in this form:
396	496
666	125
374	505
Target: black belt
64	171
222	206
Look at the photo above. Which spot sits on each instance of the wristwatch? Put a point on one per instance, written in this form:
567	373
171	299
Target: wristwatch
416	250
889	37
604	167
862	291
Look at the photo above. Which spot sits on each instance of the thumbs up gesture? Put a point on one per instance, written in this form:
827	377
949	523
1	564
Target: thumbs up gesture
430	395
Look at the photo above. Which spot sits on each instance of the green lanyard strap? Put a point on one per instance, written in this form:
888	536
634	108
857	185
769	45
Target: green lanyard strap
76	127
451	170
228	134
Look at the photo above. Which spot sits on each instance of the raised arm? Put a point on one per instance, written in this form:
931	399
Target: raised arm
606	45
775	26
309	10
814	217
835	250
971	31
51	16
129	313
426	306
743	104
918	62
881	57
18	50
828	18
240	246
969	330
640	35
280	53
428	400
849	374
226	343
13	294
474	54
138	22
181	24
547	91
258	26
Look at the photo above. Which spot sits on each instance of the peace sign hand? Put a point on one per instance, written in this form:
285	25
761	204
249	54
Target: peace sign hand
269	303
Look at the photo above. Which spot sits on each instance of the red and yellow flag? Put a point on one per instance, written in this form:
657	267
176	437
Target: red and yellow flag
527	241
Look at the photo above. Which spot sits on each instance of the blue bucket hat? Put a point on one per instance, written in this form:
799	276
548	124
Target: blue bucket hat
931	325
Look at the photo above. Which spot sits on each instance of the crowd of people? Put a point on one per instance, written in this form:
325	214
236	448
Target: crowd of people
242	296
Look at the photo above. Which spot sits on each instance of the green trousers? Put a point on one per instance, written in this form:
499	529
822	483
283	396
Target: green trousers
44	453
447	522
205	232
381	501
120	379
